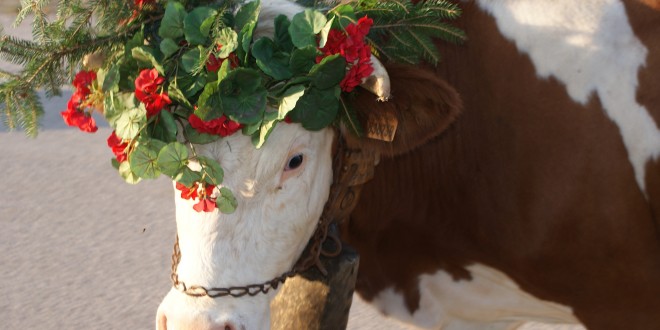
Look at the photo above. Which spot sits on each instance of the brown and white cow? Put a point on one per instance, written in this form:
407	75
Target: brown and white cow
523	182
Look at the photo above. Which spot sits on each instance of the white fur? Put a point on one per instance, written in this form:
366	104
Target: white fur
263	238
276	215
590	47
491	300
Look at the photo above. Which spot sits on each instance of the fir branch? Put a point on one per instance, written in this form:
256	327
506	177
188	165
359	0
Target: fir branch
405	31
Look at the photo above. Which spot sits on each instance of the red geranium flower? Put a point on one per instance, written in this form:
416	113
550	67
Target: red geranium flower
355	75
83	80
214	63
148	82
205	205
351	46
118	147
84	121
75	114
186	192
146	90
222	126
206	202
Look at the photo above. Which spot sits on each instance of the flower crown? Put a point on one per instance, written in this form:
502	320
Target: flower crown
190	72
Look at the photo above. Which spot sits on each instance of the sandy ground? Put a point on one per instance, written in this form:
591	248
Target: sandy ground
81	249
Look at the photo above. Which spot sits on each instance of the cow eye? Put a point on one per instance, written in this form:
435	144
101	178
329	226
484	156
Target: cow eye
294	162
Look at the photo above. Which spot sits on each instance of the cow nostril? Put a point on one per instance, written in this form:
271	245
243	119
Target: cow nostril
225	326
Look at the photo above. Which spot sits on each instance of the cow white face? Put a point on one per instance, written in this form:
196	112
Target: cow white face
281	190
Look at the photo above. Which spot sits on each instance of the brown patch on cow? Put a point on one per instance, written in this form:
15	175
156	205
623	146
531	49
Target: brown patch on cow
653	191
654	4
436	105
644	17
526	181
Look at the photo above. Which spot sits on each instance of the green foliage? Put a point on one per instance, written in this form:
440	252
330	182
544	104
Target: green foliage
304	27
226	202
57	48
404	31
259	83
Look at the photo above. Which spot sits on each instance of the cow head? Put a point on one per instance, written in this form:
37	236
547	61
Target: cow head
281	191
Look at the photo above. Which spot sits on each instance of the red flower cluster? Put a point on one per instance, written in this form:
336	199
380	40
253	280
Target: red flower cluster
222	126
206	202
214	63
75	114
350	44
118	147
146	90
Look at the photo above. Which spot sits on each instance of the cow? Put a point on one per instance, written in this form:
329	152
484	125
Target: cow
522	183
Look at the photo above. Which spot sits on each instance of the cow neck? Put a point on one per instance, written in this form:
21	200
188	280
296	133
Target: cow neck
353	166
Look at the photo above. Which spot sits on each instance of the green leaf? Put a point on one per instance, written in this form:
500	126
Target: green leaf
350	119
111	79
171	25
188	177
115	104
143	160
197	25
305	26
243	96
265	129
168	47
136	41
344	15
323	35
126	173
316	109
223	71
191	59
303	59
191	85
209	104
245	38
289	100
130	122
226	202
193	136
273	64
229	41
251	128
247	14
147	55
211	171
164	128
173	159
329	73
282	37
175	93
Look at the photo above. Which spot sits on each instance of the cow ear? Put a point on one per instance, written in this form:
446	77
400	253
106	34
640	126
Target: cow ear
422	105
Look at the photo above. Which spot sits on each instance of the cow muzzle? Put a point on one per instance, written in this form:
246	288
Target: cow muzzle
180	312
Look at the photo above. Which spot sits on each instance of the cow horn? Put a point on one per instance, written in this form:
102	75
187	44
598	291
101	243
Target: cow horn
379	81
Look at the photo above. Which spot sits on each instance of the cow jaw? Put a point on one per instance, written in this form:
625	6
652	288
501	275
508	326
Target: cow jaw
278	208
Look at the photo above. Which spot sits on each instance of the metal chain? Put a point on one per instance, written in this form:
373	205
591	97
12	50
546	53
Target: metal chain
238	291
352	168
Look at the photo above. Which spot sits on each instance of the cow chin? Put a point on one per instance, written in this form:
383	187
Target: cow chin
280	198
181	312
